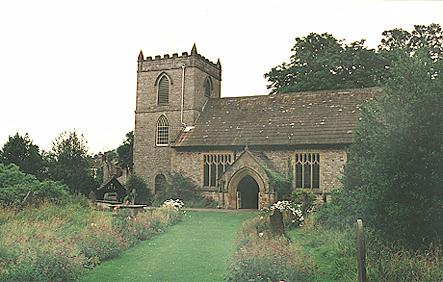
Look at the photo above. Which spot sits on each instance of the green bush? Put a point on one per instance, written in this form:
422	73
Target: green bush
15	185
305	198
142	193
280	183
11	175
180	187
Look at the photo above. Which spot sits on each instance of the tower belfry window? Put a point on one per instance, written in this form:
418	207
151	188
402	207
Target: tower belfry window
208	87
163	90
162	136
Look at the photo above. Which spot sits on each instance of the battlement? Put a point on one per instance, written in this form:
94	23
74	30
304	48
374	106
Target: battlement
184	55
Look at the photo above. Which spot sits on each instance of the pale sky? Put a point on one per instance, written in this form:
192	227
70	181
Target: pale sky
68	65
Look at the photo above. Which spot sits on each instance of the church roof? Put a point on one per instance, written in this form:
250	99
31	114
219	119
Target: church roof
301	118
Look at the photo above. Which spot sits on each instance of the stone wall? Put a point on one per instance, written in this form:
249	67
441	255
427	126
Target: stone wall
331	165
332	161
149	159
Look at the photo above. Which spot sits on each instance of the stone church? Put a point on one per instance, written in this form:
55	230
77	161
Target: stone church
228	145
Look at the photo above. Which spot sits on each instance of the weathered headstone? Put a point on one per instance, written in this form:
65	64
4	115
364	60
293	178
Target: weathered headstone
277	225
92	196
361	252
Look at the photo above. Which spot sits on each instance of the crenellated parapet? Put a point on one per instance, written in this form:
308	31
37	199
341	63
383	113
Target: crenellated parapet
167	61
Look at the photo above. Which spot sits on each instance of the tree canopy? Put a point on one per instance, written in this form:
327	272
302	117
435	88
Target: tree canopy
69	162
321	61
21	151
125	152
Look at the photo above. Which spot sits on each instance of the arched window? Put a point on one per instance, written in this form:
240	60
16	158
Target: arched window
163	90
208	87
160	181
162	138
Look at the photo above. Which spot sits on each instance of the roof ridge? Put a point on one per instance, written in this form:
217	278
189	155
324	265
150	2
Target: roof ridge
316	92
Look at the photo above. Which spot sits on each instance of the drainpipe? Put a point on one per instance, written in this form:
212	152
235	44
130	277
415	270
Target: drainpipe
183	96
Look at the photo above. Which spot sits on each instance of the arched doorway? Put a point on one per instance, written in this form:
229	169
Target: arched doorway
160	181
247	193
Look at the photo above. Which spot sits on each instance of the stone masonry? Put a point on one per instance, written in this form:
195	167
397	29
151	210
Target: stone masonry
258	132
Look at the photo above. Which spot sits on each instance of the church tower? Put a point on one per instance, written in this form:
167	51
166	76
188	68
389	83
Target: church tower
171	93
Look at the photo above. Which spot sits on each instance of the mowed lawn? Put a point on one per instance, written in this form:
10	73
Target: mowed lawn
197	249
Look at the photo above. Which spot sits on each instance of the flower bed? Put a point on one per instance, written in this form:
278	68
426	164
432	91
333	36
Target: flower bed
56	243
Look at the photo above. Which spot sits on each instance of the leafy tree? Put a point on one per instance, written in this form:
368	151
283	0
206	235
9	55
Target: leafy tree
393	178
322	62
142	193
69	162
125	152
429	38
21	151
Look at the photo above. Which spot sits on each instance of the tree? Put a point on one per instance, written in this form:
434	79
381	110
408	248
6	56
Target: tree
69	162
20	150
393	178
429	38
322	62
125	152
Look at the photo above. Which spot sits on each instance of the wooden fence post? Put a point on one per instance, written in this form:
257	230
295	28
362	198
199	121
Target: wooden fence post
361	252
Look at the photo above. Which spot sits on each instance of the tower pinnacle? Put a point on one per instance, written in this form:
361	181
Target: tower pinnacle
140	56
194	50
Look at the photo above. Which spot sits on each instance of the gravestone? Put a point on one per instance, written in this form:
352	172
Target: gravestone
277	225
92	196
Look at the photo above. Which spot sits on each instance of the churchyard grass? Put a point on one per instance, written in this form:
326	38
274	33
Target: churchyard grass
197	249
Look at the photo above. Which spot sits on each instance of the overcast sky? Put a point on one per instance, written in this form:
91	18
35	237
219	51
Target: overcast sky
68	65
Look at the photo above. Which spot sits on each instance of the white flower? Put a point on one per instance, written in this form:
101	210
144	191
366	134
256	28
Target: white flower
176	204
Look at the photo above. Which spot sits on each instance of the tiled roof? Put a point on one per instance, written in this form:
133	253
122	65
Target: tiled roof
302	118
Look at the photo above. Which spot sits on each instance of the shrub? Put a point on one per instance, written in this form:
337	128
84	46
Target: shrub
280	183
142	193
305	198
11	175
178	186
15	185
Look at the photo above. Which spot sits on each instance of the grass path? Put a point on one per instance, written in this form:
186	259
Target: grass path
197	249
